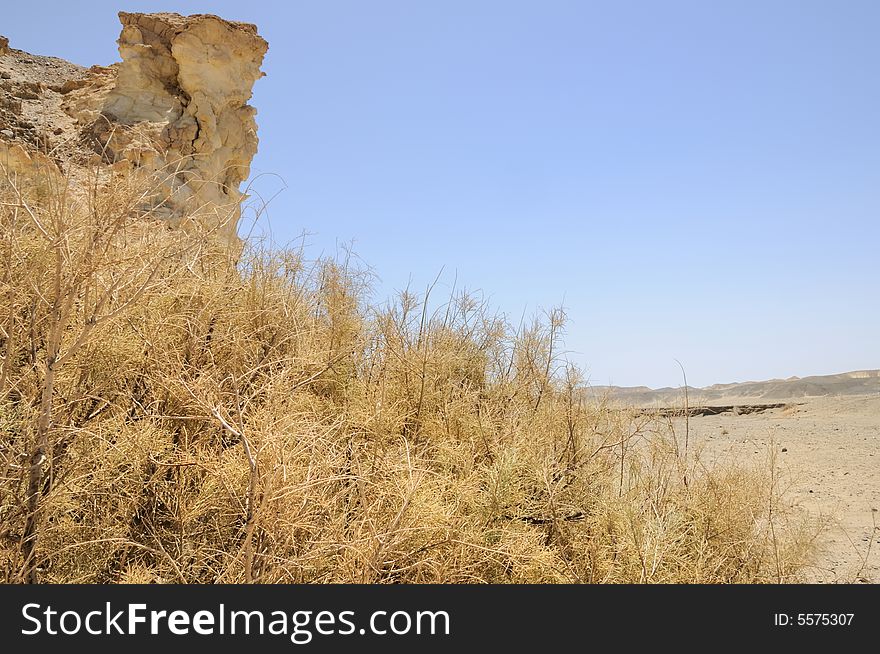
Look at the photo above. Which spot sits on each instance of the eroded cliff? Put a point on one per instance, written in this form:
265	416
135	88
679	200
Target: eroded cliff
174	109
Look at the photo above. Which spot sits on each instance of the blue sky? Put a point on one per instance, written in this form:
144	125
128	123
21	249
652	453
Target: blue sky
693	180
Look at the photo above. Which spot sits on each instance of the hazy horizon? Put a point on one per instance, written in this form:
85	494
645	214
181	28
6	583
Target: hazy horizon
736	381
693	182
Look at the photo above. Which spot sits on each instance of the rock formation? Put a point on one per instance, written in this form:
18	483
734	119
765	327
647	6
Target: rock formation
175	108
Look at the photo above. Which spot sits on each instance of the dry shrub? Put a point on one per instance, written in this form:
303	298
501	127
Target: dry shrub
203	420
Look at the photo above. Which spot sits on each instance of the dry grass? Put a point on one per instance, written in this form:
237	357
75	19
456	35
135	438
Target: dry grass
201	421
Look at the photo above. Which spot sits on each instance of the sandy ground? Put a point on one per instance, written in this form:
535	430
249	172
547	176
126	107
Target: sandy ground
829	453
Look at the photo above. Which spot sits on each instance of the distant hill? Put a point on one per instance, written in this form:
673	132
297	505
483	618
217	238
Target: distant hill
860	382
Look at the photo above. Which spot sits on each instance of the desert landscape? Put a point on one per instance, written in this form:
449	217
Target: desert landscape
180	403
824	432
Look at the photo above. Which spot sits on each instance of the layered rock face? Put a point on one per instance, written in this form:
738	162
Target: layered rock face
175	109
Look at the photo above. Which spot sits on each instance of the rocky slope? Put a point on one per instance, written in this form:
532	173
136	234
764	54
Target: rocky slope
175	109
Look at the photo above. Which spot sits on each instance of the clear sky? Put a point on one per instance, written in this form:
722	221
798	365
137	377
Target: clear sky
693	180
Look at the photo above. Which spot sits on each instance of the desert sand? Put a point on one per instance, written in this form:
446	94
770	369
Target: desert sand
829	453
826	435
825	431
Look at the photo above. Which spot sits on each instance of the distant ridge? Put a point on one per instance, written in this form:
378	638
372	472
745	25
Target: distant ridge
858	382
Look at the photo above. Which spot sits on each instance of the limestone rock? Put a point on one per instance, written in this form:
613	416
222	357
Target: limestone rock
176	108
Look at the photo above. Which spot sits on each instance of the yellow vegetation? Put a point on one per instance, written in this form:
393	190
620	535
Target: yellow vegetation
169	415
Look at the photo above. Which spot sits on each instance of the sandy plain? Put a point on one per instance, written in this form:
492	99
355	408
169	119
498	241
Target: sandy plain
828	453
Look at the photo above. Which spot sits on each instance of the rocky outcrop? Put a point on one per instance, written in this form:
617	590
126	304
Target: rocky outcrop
175	109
